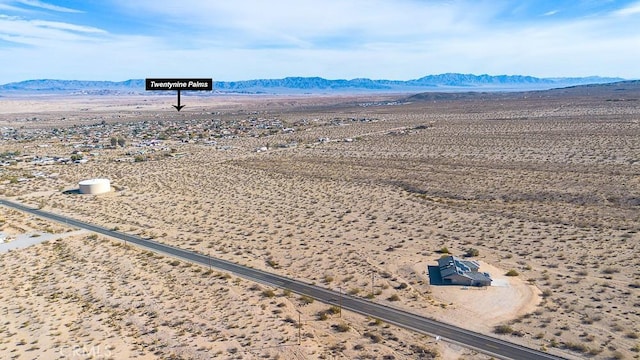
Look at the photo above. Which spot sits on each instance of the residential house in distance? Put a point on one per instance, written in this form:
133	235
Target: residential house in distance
455	271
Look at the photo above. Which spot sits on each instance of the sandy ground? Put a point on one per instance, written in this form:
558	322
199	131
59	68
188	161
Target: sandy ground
20	241
508	298
547	188
81	296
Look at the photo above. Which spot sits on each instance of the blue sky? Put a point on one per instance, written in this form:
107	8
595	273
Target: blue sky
335	39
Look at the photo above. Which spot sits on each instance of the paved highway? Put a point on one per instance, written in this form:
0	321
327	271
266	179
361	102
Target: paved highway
483	343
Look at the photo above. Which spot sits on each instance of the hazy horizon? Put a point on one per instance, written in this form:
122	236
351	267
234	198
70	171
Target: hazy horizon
320	77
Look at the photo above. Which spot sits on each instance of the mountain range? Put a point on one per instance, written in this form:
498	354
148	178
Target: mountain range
300	85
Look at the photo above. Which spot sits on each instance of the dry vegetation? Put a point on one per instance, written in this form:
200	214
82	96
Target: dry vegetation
548	188
87	297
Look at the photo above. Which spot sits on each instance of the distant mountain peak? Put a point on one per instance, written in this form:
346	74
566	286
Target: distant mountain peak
294	84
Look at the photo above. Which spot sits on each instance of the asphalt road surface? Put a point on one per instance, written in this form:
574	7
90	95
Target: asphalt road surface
483	343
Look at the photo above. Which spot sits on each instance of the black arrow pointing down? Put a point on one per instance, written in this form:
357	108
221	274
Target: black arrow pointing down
178	107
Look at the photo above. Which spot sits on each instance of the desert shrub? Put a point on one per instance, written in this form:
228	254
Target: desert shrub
268	293
334	310
594	351
617	355
444	250
341	327
512	272
402	286
375	338
471	252
224	276
393	297
503	329
577	347
274	264
306	300
424	353
616	327
324	314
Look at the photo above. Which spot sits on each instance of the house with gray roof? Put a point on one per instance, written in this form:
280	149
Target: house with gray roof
455	271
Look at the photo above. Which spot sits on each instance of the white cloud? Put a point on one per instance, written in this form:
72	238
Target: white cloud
305	22
10	8
400	39
633	9
66	26
46	6
44	33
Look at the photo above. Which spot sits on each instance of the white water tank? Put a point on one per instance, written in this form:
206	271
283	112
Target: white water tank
94	186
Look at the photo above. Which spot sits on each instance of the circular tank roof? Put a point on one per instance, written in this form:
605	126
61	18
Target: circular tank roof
94	182
94	186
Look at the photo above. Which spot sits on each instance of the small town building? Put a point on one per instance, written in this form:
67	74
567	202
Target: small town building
455	271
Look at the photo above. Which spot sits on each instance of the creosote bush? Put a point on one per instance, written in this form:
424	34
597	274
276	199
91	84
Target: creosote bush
353	291
471	252
306	300
444	250
375	338
512	272
503	329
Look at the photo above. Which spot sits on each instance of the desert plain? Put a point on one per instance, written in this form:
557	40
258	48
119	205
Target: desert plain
356	193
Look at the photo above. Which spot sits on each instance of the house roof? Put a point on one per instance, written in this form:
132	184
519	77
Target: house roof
451	265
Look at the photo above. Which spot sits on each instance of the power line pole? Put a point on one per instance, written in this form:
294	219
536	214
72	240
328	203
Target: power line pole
372	282
299	328
340	288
